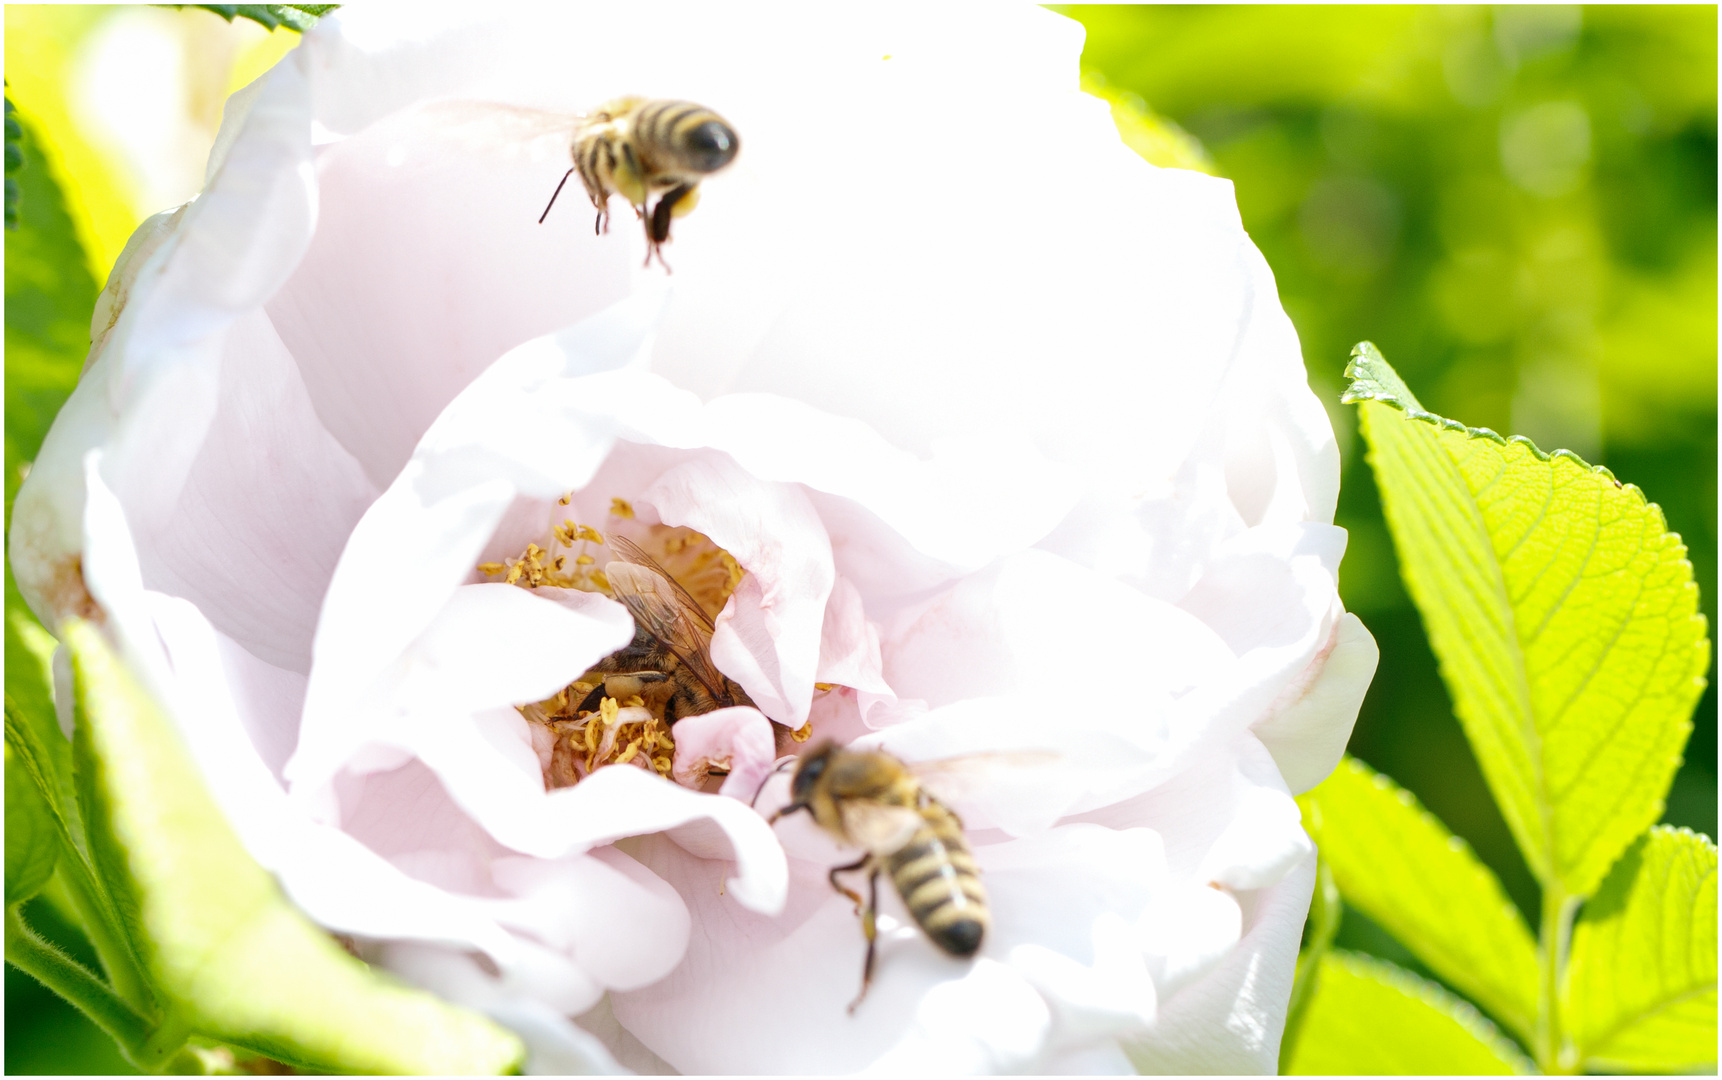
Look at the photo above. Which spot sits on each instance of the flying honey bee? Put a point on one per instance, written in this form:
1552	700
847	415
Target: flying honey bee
668	664
873	801
634	146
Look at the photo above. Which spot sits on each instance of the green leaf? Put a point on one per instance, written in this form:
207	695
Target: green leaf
1563	613
1400	866
1325	911
234	959
1641	982
14	162
37	753
297	17
1155	139
30	952
1370	1017
30	702
32	842
50	296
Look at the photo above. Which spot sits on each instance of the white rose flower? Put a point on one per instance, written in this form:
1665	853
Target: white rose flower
969	431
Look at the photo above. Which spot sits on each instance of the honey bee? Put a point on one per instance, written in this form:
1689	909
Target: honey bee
634	146
668	665
873	801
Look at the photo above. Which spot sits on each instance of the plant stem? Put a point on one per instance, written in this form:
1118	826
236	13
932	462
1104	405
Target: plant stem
1553	1053
99	923
30	953
1325	909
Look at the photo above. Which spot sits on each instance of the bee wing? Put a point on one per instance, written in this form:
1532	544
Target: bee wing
877	826
633	553
955	780
664	610
494	128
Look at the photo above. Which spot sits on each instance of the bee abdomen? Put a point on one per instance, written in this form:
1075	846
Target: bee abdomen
936	876
685	136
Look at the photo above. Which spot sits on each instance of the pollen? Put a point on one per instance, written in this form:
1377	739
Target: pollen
620	711
616	733
537	567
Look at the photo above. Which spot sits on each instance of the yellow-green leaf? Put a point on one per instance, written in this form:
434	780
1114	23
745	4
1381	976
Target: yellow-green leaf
234	960
1370	1017
1400	866
32	842
1641	984
1563	613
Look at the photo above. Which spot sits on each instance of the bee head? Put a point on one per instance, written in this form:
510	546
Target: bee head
711	145
807	773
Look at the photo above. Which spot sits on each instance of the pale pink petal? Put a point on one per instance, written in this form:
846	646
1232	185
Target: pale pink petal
1308	730
1265	837
495	644
554	1045
1015	627
1049	891
482	775
738	740
992	1020
619	922
387	325
1231	1021
1019	765
370	615
1188	929
849	650
768	635
266	507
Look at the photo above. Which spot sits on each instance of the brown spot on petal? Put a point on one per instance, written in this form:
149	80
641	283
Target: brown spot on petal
66	595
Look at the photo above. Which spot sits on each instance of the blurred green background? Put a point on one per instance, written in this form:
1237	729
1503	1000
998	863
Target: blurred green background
1517	204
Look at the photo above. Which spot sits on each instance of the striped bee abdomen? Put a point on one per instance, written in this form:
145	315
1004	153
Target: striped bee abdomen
682	137
936	876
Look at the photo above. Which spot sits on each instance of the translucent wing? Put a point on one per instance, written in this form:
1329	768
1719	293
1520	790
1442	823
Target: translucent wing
959	779
633	553
491	127
664	610
877	826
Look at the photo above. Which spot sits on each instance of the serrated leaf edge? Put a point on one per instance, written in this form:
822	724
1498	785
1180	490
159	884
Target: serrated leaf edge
1602	1059
1490	882
1365	354
1439	998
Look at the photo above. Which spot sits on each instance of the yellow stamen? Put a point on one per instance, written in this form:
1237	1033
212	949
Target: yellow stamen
802	733
620	508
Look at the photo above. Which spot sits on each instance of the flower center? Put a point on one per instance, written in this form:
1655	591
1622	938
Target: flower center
620	712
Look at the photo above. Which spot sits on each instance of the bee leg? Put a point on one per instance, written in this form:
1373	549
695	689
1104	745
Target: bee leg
870	927
839	887
666	209
658	226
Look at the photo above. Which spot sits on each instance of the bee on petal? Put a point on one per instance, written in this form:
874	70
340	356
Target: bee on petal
873	801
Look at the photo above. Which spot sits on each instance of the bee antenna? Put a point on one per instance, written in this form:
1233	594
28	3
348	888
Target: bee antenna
553	195
761	789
